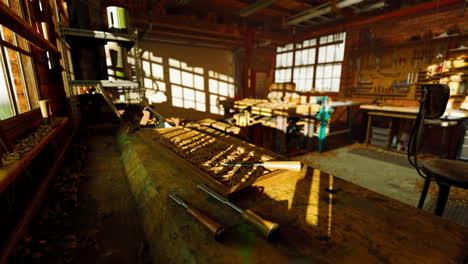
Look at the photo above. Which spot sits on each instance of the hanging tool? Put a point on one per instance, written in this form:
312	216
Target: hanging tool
214	227
286	165
266	228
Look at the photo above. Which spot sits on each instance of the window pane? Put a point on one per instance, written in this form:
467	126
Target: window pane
213	86
157	71
289	59
17	80
5	106
176	91
339	53
223	88
200	97
30	80
199	82
146	68
322	54
174	63
330	53
187	79
174	76
148	83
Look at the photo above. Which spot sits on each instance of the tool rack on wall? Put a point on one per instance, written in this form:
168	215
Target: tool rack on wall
398	71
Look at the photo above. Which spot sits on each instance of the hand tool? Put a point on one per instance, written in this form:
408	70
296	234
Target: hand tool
214	227
266	228
287	165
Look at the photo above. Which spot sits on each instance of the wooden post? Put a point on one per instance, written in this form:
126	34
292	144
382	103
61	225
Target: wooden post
249	40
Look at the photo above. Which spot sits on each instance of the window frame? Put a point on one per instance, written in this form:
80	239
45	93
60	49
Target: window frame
15	48
315	46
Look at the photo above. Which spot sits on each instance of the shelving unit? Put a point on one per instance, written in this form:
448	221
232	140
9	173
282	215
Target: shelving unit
127	88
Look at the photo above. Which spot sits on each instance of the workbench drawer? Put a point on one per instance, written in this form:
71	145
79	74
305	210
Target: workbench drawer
379	136
380	130
377	142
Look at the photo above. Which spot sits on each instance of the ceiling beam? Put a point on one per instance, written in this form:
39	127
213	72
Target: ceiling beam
343	12
398	13
318	11
157	32
371	7
258	5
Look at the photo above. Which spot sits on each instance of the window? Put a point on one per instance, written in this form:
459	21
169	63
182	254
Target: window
284	63
187	86
221	87
316	65
153	77
18	87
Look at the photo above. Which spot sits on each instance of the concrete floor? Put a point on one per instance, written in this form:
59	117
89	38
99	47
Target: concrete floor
385	172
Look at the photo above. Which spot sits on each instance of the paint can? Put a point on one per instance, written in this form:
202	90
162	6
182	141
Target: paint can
117	19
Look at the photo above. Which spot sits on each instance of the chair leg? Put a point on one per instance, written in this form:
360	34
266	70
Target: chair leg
427	182
444	190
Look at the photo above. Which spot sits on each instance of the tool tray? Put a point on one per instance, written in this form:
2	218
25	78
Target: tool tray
206	148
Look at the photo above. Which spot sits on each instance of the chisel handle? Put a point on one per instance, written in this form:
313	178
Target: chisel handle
265	227
215	228
286	165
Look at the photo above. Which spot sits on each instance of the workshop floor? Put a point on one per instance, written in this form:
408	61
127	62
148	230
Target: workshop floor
102	226
387	173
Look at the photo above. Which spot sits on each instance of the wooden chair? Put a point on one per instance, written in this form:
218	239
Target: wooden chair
445	172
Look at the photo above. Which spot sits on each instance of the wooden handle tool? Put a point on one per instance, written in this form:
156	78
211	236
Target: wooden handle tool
215	228
285	165
264	227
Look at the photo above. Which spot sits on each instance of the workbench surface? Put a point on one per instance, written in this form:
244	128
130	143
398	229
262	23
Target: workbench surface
355	225
449	113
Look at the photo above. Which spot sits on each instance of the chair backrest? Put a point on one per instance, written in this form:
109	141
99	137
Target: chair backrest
434	99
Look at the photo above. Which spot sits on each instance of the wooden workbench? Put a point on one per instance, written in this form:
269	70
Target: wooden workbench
355	225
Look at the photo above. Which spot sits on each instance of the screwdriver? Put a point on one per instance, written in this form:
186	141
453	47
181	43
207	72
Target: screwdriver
214	227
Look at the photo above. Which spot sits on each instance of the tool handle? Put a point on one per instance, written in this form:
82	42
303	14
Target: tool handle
287	165
265	227
211	225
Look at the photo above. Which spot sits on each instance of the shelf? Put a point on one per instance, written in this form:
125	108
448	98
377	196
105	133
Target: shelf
12	21
9	172
104	83
127	40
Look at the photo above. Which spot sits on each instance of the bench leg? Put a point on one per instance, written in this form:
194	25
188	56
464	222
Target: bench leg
444	190
427	182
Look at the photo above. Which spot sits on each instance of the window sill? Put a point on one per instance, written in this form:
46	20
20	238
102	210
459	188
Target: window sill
9	172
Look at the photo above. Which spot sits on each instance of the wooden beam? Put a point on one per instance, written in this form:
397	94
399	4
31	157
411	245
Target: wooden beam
240	5
343	12
253	8
401	12
277	38
246	82
12	21
196	37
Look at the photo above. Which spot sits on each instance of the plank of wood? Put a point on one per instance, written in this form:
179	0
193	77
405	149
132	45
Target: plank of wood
401	109
32	209
9	172
11	20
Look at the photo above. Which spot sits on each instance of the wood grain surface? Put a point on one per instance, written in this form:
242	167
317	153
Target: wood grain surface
353	225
